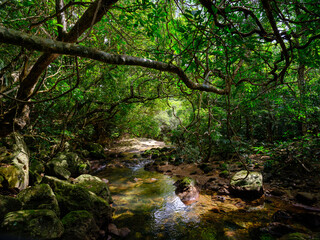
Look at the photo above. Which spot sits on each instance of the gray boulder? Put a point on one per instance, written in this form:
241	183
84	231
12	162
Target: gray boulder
58	168
248	186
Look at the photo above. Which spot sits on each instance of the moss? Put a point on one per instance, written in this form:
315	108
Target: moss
40	224
36	166
11	174
72	197
80	225
39	197
8	204
95	185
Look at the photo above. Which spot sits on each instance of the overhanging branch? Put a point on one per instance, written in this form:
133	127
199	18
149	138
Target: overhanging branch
10	36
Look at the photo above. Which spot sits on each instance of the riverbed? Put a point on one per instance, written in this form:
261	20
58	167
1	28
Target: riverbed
146	203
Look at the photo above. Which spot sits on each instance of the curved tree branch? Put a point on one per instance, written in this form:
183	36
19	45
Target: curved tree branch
52	47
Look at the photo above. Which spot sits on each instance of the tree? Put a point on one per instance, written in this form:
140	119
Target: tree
212	46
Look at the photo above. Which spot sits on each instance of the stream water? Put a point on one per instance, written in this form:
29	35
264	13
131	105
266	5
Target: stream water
145	202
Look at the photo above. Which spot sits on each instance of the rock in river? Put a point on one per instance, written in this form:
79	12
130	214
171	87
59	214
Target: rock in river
186	190
246	185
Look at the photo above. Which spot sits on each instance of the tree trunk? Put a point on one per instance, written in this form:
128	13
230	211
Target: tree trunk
18	115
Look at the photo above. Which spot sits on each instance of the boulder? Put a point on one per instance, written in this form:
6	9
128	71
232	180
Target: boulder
8	204
248	186
72	197
36	171
15	172
72	162
39	224
80	225
186	190
39	197
95	185
58	168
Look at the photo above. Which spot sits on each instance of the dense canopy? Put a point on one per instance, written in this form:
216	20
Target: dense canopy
242	69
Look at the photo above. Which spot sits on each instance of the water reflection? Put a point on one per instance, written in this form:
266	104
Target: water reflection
146	203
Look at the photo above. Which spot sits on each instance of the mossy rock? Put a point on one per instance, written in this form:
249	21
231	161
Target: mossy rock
15	174
10	176
39	197
8	204
72	197
37	166
95	185
184	183
80	225
39	224
247	185
58	168
72	162
35	172
14	170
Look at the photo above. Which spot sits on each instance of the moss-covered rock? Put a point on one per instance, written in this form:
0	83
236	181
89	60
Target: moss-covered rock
95	185
186	190
39	197
71	162
8	204
58	168
80	225
247	185
15	173
72	197
35	172
39	224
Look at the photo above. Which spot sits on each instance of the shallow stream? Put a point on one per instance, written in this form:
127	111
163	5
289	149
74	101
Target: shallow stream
145	202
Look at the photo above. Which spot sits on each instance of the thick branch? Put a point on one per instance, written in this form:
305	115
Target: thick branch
84	23
52	47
